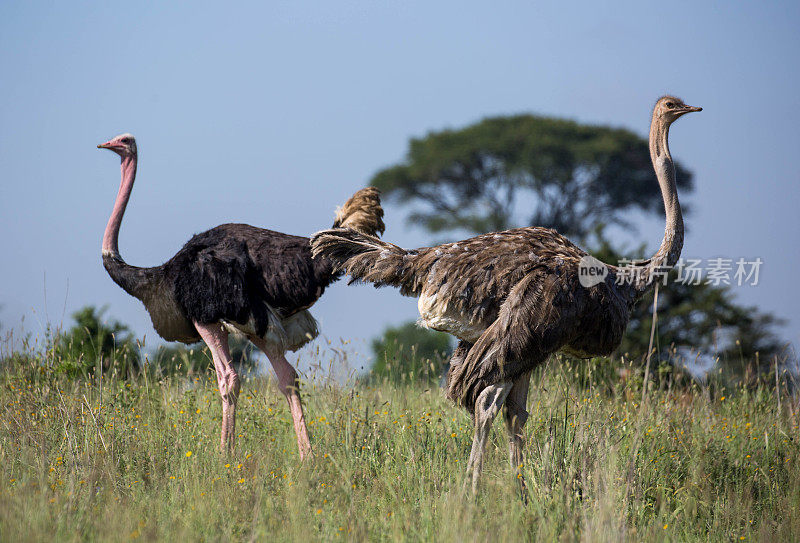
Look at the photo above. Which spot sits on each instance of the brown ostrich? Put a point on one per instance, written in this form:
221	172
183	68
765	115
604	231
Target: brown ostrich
235	278
515	297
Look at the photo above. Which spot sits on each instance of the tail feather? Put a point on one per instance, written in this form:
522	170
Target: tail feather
362	212
367	258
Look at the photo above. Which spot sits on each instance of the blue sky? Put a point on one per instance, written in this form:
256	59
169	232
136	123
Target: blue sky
273	113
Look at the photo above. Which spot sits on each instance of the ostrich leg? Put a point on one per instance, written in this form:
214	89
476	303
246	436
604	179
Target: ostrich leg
216	337
486	408
289	386
516	415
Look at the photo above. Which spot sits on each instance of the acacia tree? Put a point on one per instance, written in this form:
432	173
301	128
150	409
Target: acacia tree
573	176
526	170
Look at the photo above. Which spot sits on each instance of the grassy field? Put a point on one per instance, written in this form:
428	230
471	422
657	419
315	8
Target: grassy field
117	460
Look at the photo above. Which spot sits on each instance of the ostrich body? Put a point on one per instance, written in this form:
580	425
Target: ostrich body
513	298
235	278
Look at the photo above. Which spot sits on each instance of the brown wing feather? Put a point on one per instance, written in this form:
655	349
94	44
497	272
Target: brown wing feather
544	313
537	318
473	277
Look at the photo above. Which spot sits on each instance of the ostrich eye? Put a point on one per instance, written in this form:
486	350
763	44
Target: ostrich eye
670	105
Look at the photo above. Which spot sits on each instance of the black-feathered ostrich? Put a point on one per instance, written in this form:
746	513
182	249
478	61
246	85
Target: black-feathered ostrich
235	278
514	297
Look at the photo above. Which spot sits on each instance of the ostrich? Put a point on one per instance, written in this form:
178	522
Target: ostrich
513	298
235	278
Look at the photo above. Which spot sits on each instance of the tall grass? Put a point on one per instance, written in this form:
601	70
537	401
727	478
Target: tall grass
103	458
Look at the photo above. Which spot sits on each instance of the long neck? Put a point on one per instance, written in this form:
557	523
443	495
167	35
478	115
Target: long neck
649	271
135	281
111	235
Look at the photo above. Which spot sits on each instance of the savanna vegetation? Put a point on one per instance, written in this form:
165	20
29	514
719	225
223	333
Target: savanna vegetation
101	457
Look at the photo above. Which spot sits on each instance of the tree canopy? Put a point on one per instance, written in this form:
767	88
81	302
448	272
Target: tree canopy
573	175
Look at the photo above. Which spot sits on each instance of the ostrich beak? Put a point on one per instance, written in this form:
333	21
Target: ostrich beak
106	145
690	109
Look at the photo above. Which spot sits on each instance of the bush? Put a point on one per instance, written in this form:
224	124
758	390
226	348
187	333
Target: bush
92	344
410	353
178	359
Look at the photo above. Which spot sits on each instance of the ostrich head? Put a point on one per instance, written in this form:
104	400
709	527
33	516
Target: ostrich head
124	145
669	108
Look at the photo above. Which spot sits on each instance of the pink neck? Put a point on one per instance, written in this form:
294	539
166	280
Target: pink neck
111	235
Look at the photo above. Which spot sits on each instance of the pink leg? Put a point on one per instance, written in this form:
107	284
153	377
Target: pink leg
289	386
216	337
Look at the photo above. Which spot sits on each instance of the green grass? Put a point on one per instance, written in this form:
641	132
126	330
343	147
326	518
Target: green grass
138	459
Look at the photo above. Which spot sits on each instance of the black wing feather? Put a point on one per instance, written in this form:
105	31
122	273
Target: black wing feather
239	273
